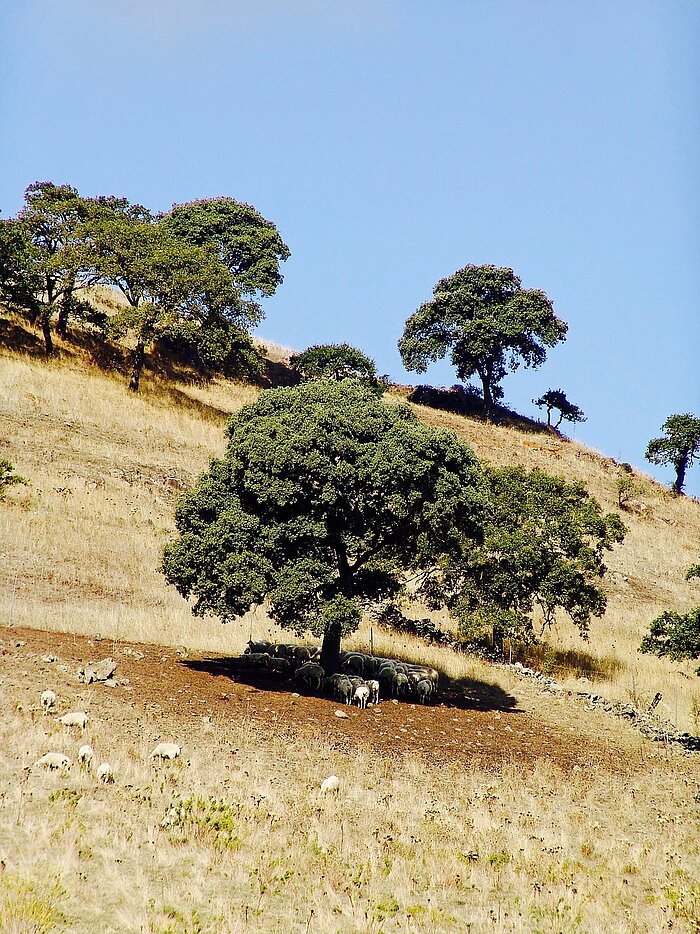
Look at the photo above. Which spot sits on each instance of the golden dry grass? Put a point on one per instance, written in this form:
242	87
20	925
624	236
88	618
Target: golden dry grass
234	836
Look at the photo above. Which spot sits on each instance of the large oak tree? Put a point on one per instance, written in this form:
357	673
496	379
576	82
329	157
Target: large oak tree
326	499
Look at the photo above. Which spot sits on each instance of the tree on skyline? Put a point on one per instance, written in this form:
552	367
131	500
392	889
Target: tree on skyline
555	399
679	446
488	324
334	361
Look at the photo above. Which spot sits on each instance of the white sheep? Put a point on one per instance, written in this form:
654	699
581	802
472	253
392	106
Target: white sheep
55	760
85	756
361	695
330	784
166	751
373	686
105	773
48	700
75	718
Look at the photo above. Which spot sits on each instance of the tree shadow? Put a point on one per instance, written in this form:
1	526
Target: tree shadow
466	403
568	663
460	694
17	336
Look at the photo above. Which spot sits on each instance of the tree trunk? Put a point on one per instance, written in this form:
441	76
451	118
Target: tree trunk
330	649
485	378
46	330
64	312
137	365
681	467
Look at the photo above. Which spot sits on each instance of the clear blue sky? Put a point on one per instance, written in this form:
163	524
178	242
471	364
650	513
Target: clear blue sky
393	142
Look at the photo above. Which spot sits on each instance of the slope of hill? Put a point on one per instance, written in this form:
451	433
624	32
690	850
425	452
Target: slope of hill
82	542
514	810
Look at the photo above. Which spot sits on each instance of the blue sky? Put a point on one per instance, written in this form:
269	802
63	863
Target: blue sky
393	142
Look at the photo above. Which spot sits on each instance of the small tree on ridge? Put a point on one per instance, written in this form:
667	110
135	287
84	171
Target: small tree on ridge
680	446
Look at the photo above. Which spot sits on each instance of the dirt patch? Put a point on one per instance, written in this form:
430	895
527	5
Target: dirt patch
476	725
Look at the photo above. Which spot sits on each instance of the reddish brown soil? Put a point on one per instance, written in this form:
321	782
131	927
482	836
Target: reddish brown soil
477	724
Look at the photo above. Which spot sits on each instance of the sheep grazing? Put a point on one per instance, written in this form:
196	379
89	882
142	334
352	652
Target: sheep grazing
75	718
401	684
166	751
330	784
105	774
361	696
85	757
48	700
55	761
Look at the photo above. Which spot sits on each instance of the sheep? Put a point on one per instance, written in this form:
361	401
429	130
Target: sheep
105	773
55	761
254	660
400	685
279	664
310	673
330	784
424	690
259	648
85	757
48	700
340	686
353	664
166	751
75	718
373	686
361	695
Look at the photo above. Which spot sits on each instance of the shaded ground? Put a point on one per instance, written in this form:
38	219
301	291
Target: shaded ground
472	724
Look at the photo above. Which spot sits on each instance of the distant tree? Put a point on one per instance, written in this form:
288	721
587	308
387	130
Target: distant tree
43	256
487	322
247	244
556	399
542	550
168	283
334	361
325	500
679	446
676	635
8	478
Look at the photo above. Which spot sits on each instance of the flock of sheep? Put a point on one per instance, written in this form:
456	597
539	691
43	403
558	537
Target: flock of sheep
361	679
58	761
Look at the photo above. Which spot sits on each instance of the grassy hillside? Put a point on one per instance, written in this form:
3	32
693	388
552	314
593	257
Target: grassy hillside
234	836
81	544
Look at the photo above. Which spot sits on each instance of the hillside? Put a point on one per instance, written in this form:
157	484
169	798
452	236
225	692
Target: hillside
508	807
82	542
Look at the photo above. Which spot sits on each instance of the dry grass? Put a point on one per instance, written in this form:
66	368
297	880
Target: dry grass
82	543
235	837
402	848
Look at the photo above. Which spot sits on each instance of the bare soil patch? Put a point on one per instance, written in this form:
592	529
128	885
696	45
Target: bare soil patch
472	725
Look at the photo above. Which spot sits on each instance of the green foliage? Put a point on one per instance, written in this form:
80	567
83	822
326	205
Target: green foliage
487	322
8	478
556	399
679	446
247	244
210	820
334	361
674	635
693	571
44	255
543	548
325	498
170	285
